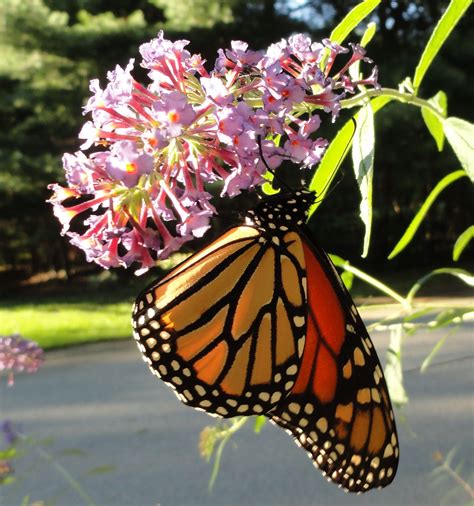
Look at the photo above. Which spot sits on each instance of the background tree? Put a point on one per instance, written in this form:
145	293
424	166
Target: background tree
52	48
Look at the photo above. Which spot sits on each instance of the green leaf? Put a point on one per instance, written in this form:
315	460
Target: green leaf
352	19
335	154
433	121
368	34
101	470
460	135
414	225
393	369
363	146
260	422
462	241
426	363
267	187
463	275
445	25
337	260
347	279
9	453
330	163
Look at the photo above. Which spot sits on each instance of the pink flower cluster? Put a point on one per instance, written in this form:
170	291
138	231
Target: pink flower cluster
19	355
142	192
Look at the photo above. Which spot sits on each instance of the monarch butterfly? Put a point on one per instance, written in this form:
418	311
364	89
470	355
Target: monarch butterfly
259	322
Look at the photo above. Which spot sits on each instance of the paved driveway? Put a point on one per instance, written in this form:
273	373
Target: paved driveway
102	407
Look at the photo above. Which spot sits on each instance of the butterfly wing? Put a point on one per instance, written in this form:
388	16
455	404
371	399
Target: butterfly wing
339	409
226	328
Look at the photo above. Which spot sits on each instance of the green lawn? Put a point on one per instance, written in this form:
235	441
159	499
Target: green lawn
63	323
70	313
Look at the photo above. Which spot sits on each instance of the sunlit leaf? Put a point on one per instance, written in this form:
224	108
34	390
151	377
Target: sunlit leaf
462	241
9	453
337	260
393	369
368	34
352	19
330	163
444	27
416	222
101	470
426	363
450	316
348	279
460	135
363	146
463	275
335	154
260	422
433	121
267	187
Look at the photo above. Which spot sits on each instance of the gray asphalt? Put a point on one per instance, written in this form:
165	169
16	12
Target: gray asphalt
103	409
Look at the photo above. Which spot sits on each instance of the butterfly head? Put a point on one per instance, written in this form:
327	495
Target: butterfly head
282	211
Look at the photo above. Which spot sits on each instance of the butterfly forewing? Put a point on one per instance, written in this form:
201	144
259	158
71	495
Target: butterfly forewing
339	410
226	328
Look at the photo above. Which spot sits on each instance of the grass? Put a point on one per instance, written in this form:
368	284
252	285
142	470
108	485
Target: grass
62	314
64	323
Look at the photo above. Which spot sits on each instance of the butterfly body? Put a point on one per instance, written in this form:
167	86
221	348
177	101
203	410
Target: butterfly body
258	322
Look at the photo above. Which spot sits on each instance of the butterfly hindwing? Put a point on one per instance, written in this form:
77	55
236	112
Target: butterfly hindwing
339	410
226	327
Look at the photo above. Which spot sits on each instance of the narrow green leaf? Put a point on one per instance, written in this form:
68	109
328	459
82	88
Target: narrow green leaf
368	34
435	126
426	363
445	25
451	316
352	19
460	135
337	260
347	279
101	470
462	241
335	154
330	163
414	225
393	369
363	146
433	121
463	275
260	422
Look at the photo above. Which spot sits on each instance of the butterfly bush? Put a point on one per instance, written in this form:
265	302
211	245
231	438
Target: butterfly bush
19	355
140	190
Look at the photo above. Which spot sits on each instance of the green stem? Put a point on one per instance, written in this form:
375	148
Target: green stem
377	284
407	98
62	471
225	435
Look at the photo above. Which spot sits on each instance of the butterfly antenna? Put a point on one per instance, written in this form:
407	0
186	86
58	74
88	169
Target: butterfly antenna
272	172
